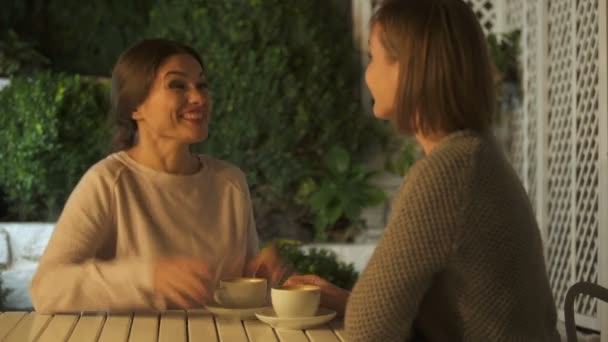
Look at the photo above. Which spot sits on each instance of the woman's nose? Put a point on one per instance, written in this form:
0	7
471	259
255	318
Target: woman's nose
198	96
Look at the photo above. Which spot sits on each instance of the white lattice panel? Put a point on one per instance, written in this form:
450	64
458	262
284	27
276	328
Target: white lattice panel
486	13
561	77
586	138
530	72
514	14
561	149
517	147
573	37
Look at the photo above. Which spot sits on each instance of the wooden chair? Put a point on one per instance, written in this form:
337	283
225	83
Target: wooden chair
584	288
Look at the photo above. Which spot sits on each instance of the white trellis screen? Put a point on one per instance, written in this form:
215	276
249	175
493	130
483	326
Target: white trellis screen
559	137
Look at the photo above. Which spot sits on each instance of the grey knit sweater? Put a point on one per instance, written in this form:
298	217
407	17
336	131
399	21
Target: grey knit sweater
461	258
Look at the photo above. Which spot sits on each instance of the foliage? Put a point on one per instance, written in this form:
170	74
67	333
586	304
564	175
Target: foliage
401	156
319	261
96	33
76	38
342	191
286	85
18	56
52	131
11	15
505	51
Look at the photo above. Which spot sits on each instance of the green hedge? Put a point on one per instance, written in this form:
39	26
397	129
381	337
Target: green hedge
53	129
285	80
77	38
96	33
320	261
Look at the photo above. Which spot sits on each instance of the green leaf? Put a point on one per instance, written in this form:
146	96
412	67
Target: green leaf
375	196
338	160
321	198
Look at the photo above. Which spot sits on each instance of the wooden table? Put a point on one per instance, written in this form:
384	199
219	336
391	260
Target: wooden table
171	326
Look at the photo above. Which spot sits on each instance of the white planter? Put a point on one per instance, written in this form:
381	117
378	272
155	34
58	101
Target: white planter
21	245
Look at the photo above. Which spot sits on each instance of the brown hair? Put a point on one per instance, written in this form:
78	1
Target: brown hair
132	78
445	75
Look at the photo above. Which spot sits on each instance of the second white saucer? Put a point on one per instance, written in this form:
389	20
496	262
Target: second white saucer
267	315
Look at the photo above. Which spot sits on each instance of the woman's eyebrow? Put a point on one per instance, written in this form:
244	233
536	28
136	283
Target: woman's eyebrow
181	73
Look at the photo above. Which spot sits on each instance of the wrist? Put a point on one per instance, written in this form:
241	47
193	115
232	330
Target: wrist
336	299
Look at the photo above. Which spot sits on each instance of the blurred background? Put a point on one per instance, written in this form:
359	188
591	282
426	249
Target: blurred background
291	110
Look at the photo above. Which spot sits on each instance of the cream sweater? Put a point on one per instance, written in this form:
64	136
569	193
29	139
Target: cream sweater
122	215
461	258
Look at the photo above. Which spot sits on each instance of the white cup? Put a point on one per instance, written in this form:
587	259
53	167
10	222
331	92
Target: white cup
241	292
295	300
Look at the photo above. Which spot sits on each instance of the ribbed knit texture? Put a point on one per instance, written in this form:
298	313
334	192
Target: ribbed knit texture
461	258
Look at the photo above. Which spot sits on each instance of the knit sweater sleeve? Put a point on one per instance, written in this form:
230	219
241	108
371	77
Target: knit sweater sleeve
415	246
71	276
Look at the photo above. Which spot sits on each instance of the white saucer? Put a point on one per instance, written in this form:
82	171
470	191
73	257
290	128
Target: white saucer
234	313
267	315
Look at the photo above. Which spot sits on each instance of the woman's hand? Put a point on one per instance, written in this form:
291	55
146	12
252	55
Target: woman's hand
181	281
332	297
268	264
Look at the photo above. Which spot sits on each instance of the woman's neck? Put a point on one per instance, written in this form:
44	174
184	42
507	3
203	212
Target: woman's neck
428	142
167	157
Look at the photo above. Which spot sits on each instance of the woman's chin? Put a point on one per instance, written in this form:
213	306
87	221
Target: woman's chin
382	115
195	137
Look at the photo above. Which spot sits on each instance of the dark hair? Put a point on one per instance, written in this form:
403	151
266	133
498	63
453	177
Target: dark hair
132	78
445	75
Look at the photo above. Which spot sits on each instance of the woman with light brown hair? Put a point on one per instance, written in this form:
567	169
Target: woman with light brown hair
462	255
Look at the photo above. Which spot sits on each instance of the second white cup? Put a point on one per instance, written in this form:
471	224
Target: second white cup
295	300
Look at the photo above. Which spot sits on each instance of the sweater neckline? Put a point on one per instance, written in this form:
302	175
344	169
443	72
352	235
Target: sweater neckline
159	175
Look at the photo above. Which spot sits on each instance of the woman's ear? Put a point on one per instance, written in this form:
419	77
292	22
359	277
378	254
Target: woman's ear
136	115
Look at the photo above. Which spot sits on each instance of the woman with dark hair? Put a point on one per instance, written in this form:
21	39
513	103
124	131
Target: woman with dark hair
461	258
152	226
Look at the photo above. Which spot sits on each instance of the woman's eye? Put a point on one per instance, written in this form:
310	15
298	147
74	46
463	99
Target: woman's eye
177	85
202	86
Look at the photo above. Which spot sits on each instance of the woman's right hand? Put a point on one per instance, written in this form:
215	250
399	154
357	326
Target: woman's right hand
181	281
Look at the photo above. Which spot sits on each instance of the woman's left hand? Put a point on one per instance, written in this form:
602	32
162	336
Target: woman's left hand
268	264
332	296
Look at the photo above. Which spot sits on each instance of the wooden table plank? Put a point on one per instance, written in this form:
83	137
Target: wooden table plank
9	321
172	327
258	331
230	330
291	335
116	328
88	327
144	328
59	328
338	327
322	334
201	326
29	328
